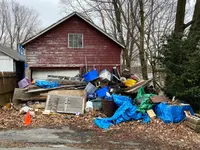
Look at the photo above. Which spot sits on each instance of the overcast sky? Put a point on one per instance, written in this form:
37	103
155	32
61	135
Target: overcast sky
48	9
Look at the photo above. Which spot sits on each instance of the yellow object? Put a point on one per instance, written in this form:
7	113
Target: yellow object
129	82
151	113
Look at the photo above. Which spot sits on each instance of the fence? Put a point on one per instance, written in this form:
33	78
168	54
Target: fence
7	86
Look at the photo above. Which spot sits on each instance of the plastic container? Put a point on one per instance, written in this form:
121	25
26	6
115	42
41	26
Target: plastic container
24	83
102	92
105	75
91	95
90	76
90	88
108	107
130	82
97	103
89	106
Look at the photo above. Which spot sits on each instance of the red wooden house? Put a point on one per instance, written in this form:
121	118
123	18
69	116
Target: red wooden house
70	46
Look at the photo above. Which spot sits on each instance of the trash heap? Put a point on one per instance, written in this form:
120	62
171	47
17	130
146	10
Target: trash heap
120	97
108	92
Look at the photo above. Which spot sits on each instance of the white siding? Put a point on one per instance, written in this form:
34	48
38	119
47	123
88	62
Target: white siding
6	63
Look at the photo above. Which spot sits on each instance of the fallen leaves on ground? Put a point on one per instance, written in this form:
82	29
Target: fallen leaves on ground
156	133
11	119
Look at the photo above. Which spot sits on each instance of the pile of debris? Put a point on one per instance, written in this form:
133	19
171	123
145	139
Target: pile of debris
59	94
120	97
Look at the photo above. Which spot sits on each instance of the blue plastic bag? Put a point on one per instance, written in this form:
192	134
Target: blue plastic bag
46	84
172	113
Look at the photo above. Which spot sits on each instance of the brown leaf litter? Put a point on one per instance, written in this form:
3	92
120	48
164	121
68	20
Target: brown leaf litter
156	133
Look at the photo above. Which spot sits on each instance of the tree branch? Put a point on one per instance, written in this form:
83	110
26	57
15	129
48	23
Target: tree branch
189	23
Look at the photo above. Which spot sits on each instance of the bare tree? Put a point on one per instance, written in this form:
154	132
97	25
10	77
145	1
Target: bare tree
160	22
137	24
17	23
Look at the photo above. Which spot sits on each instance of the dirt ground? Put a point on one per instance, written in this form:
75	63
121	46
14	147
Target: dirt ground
154	135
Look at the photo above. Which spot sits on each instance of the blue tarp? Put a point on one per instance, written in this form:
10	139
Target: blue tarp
119	99
125	112
46	84
172	113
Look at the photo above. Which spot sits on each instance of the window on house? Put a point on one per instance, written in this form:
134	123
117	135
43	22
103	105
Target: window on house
75	40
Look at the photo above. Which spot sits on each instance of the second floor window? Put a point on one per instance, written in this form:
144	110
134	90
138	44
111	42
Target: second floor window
75	40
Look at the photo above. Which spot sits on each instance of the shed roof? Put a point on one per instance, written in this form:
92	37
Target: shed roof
11	53
64	19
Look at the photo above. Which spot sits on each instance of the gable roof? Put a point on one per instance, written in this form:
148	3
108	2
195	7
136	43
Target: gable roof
64	19
11	53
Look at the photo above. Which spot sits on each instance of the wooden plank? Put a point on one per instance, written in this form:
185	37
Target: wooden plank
151	113
49	89
7	82
36	98
7	86
1	83
19	94
158	99
66	82
81	93
5	98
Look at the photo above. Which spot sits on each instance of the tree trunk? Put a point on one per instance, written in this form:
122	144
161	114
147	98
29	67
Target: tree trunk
118	19
142	51
195	27
180	16
153	67
118	13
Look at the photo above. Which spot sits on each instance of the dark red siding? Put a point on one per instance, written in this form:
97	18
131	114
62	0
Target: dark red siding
51	48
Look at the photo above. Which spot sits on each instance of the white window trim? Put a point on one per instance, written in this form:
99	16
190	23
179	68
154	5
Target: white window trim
76	34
